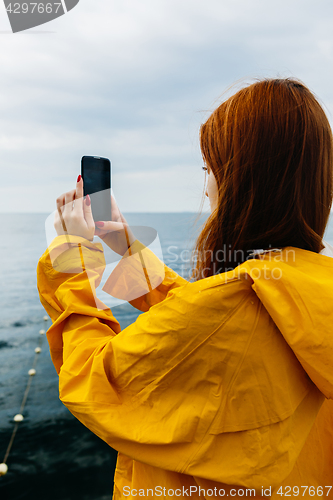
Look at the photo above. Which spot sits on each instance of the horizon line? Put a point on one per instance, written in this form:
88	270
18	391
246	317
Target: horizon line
125	212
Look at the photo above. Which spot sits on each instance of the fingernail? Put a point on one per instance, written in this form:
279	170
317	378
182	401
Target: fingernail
79	178
88	201
99	224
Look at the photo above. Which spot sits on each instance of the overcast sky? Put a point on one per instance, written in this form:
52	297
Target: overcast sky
133	80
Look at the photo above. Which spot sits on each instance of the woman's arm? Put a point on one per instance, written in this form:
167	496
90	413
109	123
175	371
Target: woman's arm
105	380
73	262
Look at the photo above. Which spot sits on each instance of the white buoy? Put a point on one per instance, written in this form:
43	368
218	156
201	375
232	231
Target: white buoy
18	418
3	469
32	371
42	332
38	350
46	318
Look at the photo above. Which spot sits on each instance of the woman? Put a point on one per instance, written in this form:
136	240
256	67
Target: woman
224	386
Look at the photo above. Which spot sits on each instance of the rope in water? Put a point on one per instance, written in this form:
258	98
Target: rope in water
19	416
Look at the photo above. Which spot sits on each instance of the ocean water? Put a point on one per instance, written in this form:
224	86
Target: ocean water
53	455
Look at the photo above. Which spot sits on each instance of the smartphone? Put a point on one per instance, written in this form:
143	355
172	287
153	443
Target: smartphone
96	174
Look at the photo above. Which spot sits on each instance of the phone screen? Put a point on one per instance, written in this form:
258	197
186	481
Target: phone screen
96	174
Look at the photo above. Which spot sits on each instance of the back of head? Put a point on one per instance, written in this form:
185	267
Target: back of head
269	147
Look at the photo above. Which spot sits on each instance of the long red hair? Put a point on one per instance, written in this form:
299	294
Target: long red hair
269	147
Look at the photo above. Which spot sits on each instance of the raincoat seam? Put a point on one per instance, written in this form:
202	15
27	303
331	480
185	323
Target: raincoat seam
201	443
247	344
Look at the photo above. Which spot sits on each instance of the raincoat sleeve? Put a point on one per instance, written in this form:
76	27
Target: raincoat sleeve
107	377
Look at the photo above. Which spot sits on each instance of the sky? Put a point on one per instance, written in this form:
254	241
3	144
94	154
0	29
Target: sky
133	81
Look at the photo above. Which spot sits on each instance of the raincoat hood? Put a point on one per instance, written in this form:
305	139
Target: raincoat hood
296	288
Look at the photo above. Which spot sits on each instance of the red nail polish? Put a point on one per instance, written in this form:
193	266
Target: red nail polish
88	201
99	224
79	178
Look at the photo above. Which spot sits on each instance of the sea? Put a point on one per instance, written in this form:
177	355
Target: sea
52	455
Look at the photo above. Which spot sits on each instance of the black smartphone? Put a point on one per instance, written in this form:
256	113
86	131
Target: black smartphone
96	174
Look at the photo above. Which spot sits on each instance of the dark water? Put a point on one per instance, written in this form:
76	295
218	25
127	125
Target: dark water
53	455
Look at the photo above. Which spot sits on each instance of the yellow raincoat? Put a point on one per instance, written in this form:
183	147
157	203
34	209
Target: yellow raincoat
220	384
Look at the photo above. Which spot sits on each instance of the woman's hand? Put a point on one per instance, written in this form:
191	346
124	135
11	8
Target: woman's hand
116	233
74	214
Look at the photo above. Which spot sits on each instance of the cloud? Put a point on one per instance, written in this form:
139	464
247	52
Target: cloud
133	81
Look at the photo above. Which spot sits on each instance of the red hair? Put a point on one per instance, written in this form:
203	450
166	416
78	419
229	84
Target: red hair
269	147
